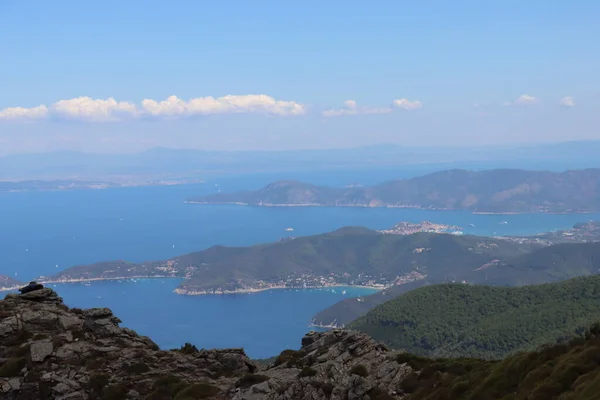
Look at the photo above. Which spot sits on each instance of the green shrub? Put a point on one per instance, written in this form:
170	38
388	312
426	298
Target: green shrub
198	391
166	385
306	372
326	387
18	338
410	383
359	370
98	382
250	380
289	357
13	367
115	392
137	368
379	394
415	362
188	348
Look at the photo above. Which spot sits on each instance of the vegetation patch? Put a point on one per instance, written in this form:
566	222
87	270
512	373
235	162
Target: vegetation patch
289	357
326	387
198	391
166	386
115	392
188	348
13	367
249	380
307	372
486	322
359	370
569	371
137	368
98	382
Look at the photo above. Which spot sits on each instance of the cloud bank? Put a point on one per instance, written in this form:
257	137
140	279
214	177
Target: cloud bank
523	100
567	101
352	108
88	109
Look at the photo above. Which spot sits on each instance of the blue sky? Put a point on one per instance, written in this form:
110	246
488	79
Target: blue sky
91	76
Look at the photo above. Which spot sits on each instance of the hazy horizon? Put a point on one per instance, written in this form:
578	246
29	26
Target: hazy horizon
275	76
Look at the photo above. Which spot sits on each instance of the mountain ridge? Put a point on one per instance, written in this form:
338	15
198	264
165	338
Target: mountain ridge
488	191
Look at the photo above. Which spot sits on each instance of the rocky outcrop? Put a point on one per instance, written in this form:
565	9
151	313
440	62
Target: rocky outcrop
49	351
336	365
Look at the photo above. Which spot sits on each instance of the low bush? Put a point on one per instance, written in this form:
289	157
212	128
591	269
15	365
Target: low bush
250	380
198	391
307	372
359	370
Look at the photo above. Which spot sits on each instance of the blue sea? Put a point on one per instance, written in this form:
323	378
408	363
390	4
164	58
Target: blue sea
44	232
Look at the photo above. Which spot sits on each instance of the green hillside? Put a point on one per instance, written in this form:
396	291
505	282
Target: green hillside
542	265
497	190
460	320
565	371
353	256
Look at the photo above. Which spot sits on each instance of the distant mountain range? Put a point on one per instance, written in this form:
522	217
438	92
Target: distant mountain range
458	320
164	163
491	191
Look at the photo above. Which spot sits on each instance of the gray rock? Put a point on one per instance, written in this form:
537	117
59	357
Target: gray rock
38	294
68	322
40	350
97	313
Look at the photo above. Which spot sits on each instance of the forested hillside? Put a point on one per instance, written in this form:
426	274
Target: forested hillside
565	371
461	320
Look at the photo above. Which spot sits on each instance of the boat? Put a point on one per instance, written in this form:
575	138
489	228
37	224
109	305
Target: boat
289	229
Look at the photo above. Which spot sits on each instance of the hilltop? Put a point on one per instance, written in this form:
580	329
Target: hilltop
458	320
491	191
351	256
541	265
51	351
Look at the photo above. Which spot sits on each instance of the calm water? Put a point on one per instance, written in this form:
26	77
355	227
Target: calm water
263	323
42	233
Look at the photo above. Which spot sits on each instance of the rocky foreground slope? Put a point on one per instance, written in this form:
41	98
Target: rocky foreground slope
51	351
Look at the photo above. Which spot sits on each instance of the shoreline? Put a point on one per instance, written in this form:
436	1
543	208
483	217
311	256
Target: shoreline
239	203
83	280
99	186
188	292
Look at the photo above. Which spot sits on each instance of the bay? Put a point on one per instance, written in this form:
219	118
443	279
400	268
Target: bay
44	232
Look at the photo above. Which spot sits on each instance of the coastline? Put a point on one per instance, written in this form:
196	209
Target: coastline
188	292
83	280
99	186
239	203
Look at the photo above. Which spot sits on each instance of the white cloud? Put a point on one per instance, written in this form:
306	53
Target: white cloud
253	103
567	101
407	104
22	113
86	108
351	108
523	99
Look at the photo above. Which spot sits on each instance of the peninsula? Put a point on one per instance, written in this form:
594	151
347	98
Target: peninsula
502	191
408	255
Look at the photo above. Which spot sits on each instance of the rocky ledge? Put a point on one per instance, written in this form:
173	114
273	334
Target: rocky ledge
51	351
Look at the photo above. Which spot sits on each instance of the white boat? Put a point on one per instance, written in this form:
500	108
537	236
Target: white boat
289	229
